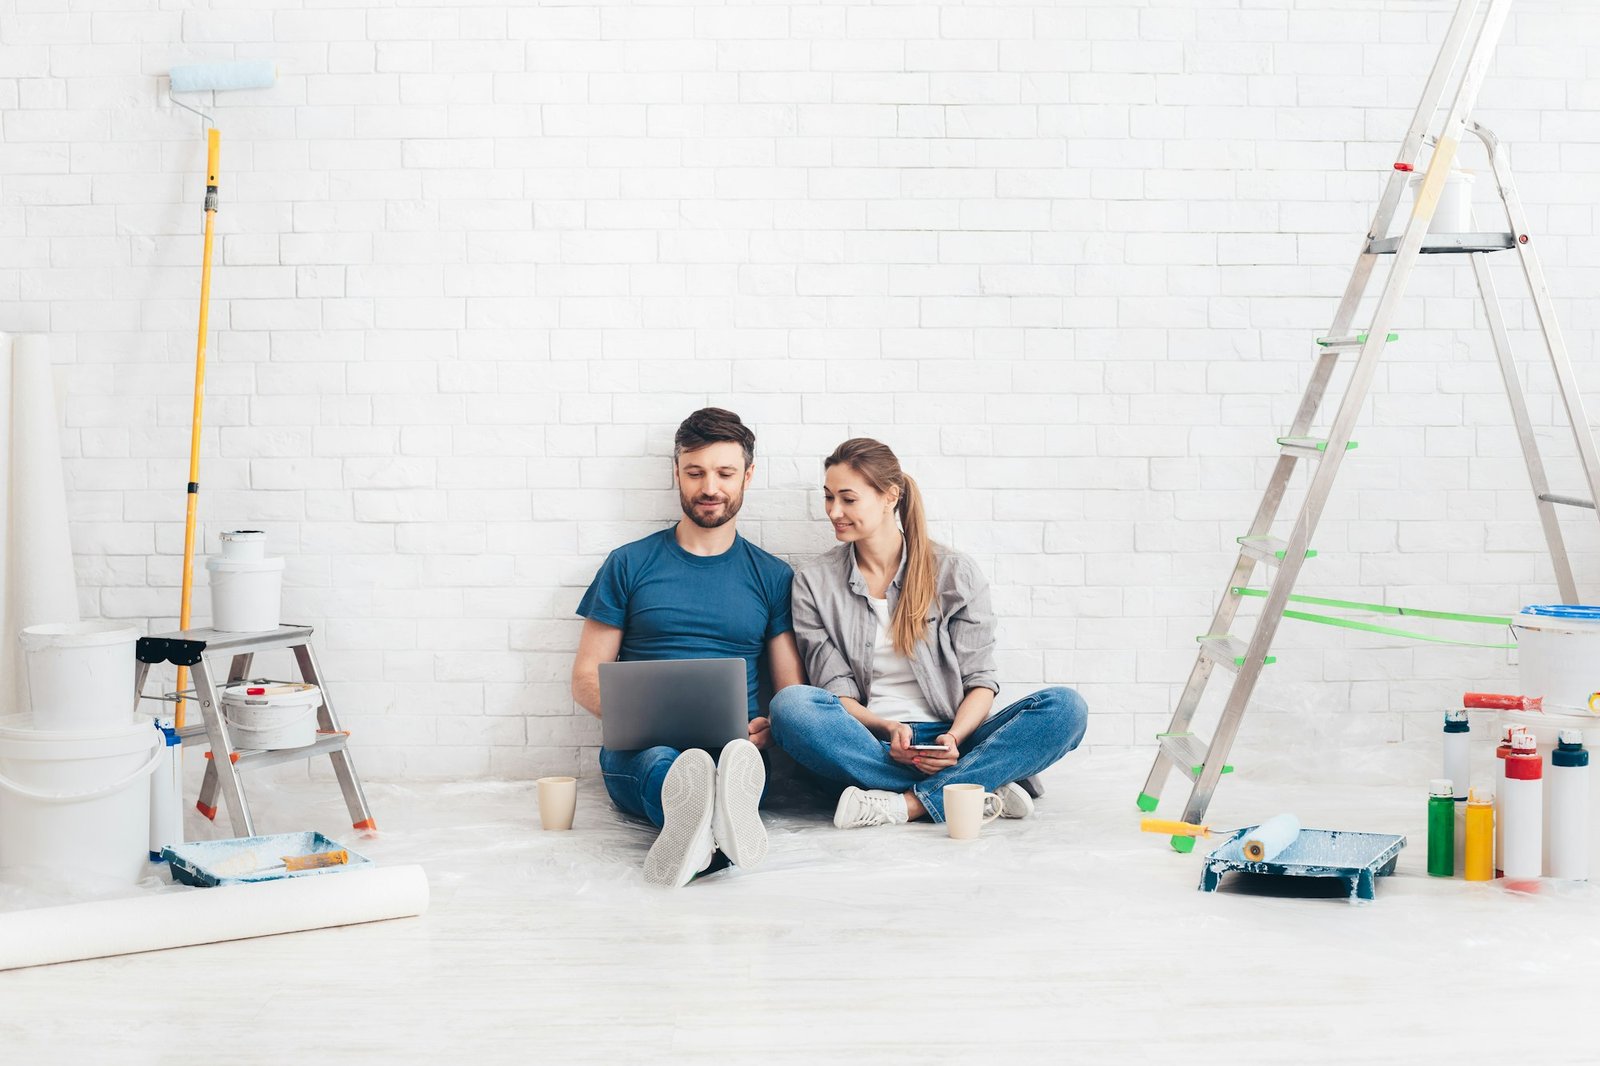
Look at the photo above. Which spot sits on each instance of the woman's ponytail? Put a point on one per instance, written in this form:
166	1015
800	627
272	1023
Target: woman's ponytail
910	621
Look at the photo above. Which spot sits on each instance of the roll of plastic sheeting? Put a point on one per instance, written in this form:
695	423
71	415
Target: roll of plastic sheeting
208	915
37	584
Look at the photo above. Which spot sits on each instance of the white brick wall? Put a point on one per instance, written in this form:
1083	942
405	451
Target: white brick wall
476	261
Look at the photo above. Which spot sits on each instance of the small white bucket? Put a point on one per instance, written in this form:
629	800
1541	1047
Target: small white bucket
79	674
243	544
270	714
246	594
1545	729
1558	655
1454	211
75	805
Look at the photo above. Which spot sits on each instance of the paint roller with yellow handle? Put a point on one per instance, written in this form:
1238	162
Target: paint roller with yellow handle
205	77
1263	843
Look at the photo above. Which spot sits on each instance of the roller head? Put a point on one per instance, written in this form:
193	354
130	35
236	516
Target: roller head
1269	839
220	77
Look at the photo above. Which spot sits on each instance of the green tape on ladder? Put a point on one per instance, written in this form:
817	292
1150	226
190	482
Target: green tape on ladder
1183	844
1148	803
1383	608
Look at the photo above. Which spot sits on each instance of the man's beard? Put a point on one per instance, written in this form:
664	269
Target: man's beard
722	518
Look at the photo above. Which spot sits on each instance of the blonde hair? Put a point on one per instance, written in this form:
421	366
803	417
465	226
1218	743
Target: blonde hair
875	461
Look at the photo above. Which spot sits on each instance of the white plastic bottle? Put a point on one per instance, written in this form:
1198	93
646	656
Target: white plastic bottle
1569	808
1523	808
1457	751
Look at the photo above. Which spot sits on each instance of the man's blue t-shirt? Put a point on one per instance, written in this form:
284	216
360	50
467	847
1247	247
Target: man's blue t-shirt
671	604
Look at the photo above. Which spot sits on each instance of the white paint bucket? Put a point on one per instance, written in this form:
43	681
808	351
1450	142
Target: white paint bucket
271	714
79	674
1558	655
243	544
75	805
1545	729
1454	212
246	594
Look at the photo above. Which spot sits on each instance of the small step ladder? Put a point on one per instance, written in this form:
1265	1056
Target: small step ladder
1468	47
225	764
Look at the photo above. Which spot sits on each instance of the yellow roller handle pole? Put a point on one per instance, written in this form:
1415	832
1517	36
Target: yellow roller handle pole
1173	828
191	513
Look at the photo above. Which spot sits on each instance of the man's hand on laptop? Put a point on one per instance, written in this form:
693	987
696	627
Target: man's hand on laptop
760	732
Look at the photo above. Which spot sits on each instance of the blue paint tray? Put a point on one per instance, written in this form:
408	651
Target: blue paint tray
1356	858
243	860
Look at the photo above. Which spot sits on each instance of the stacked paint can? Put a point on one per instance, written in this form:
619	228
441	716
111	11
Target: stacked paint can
1558	651
75	765
246	586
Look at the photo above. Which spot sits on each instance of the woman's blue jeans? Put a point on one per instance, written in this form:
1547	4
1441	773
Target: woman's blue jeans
1021	740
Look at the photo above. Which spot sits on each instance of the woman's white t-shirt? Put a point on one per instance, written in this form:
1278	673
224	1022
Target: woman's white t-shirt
895	693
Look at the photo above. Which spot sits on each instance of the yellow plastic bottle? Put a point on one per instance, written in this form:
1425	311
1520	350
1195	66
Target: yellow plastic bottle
1479	865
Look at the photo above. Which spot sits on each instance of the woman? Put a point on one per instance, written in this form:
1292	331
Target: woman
898	641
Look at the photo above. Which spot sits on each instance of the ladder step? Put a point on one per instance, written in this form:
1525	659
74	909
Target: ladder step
1187	752
1447	243
1308	447
325	744
1269	550
1567	501
1355	341
1227	651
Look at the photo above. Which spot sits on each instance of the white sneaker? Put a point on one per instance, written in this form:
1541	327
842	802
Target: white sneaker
736	814
1014	801
685	846
860	807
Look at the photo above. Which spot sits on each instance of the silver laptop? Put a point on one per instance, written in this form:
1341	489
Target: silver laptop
682	703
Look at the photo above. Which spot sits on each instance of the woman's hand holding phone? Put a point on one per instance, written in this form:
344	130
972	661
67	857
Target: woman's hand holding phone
931	762
900	738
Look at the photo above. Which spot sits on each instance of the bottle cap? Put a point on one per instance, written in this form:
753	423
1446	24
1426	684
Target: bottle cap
1455	721
1479	797
1570	738
1524	744
1441	786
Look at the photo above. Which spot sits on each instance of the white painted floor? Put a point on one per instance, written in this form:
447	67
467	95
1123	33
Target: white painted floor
1068	937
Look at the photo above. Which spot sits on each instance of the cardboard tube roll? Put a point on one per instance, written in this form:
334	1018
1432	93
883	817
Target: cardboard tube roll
208	915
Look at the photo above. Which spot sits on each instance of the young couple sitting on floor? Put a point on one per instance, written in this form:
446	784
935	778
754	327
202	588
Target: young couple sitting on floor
895	633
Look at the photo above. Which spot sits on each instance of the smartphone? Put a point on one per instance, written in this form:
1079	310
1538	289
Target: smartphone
927	747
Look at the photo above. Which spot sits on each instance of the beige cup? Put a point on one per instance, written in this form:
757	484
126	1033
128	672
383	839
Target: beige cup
963	810
558	799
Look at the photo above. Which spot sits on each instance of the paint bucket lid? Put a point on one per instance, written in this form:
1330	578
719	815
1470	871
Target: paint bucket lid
76	635
21	739
1558	616
222	564
270	693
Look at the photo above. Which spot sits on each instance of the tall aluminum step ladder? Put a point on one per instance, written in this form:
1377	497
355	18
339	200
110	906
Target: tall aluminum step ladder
1468	47
226	763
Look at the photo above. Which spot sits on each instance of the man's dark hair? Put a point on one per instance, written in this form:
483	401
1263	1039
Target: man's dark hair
710	425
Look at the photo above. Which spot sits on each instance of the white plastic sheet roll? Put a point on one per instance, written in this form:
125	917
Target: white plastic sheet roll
36	579
208	915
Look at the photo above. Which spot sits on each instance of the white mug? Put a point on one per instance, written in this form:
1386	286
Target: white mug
558	800
963	810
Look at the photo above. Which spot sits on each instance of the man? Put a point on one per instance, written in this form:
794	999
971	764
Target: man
697	590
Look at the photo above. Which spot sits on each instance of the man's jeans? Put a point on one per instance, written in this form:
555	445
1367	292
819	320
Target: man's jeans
1019	741
633	779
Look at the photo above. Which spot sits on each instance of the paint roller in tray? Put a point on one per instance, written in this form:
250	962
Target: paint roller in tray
1262	844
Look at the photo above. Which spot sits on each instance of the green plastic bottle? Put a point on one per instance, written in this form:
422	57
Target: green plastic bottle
1441	828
